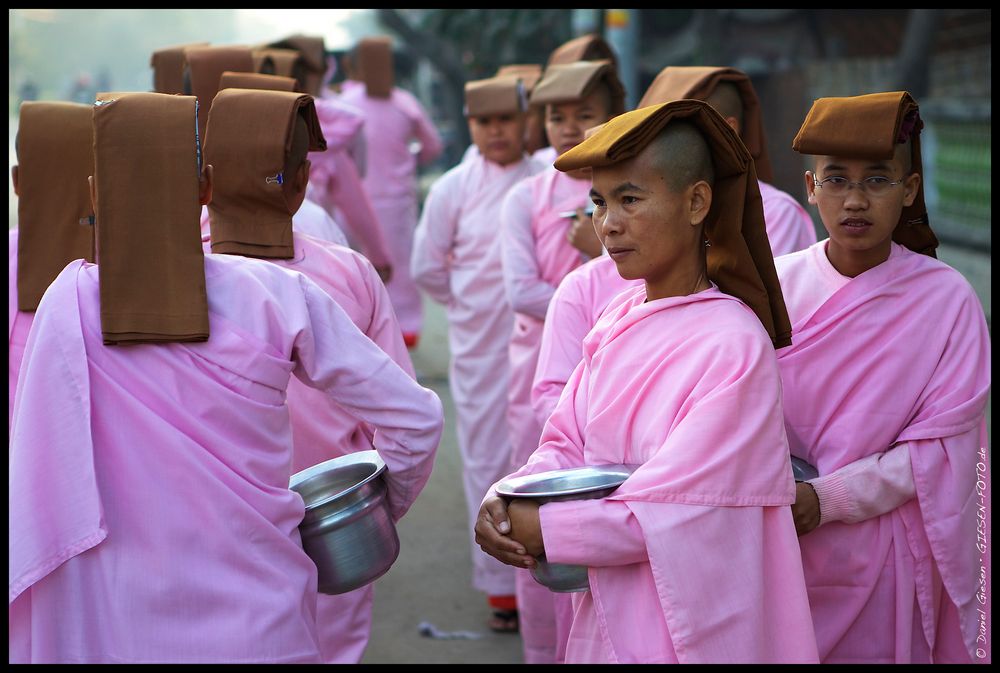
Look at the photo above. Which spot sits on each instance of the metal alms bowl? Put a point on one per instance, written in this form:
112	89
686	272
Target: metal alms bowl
803	471
575	483
347	529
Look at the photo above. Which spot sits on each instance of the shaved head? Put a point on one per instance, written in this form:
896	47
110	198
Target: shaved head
682	156
728	102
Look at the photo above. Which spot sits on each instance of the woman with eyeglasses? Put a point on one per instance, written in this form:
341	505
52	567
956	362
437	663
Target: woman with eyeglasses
885	388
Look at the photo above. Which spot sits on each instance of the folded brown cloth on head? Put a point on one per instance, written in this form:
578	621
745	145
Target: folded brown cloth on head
584	48
495	96
251	80
575	81
870	127
739	256
249	138
168	67
529	73
674	83
149	255
55	147
375	66
205	66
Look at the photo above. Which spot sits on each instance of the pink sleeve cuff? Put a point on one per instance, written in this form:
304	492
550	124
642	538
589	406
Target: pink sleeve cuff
834	498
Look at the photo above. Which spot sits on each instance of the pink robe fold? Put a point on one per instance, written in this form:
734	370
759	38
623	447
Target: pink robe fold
688	388
322	429
789	226
456	260
536	256
897	354
391	124
18	327
149	521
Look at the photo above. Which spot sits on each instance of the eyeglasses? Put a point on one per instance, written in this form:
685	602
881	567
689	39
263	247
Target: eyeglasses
875	185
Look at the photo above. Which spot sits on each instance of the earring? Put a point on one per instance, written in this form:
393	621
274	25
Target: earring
707	244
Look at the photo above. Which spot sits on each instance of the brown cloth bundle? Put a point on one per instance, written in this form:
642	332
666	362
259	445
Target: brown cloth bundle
375	67
313	53
574	81
168	67
528	73
252	80
55	144
249	137
739	257
206	65
870	127
150	261
584	48
675	83
495	96
280	62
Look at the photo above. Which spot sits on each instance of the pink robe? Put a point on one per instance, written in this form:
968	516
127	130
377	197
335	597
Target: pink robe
322	429
390	126
693	559
310	220
897	357
150	516
536	256
576	305
335	181
18	326
456	260
789	227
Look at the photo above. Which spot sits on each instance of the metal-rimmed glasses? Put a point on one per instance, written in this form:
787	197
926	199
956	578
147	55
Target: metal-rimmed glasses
876	185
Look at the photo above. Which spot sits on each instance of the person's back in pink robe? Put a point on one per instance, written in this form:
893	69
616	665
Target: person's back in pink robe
151	519
885	387
456	260
789	227
536	256
18	326
322	429
693	559
391	124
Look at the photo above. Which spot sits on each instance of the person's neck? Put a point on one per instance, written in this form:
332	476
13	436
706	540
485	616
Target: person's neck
853	263
679	283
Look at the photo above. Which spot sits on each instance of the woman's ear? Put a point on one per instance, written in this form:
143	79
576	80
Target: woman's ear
701	202
205	185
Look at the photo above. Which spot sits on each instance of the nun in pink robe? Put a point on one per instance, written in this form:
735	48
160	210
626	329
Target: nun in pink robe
55	148
885	390
456	260
220	576
536	256
393	120
693	559
321	428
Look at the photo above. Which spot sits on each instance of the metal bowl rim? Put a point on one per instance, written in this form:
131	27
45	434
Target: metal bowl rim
370	457
510	488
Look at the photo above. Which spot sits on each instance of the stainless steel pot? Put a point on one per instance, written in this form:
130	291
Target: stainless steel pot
347	529
577	483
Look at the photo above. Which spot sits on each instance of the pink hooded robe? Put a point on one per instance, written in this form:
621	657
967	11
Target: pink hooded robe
892	362
322	429
456	260
150	455
693	559
390	181
335	182
536	256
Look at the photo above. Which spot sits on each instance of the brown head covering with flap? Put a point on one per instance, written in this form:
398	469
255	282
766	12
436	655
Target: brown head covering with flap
149	256
584	48
574	81
250	134
168	68
870	127
676	82
528	73
55	146
281	62
739	257
495	96
252	80
374	66
313	53
206	65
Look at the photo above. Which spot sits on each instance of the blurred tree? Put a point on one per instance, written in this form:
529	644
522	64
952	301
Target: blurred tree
468	44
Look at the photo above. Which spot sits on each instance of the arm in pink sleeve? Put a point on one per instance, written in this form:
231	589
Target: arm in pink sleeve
430	140
331	354
358	151
349	195
527	292
592	533
866	488
384	328
566	324
433	240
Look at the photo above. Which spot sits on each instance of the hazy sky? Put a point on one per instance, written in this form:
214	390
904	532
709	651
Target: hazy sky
263	24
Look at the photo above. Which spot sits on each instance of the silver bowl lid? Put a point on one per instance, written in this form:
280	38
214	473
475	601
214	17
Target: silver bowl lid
368	458
566	481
